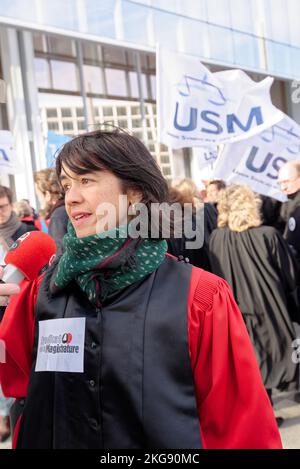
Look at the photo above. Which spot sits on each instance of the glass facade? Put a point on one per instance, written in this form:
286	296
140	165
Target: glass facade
108	71
262	35
111	86
94	61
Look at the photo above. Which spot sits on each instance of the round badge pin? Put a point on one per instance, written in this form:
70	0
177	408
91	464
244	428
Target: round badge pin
292	224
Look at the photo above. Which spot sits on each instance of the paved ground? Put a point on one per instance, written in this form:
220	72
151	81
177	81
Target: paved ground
6	445
286	407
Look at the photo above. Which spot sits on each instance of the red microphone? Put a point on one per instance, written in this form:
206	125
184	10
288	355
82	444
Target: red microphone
28	257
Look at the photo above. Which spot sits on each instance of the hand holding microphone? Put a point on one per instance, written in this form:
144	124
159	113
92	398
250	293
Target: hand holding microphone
27	258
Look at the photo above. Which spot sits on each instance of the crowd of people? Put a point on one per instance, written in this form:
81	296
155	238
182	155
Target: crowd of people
19	218
182	347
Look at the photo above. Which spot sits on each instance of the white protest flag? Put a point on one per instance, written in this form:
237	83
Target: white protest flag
256	161
205	156
8	157
197	107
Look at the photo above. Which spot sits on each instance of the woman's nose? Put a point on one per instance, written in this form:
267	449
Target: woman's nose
73	195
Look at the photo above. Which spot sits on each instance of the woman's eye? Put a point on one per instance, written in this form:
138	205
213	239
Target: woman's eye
85	180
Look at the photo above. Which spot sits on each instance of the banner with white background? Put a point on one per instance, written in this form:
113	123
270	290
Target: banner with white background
256	161
199	108
8	156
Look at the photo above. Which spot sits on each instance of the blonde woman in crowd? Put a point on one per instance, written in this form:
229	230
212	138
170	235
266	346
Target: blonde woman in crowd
260	268
189	190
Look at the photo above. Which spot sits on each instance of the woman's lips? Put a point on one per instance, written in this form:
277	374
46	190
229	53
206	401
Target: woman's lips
81	219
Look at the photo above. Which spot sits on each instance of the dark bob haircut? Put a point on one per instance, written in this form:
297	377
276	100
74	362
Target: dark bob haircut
122	154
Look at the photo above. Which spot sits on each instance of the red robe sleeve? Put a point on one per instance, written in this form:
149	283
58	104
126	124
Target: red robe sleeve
17	335
233	407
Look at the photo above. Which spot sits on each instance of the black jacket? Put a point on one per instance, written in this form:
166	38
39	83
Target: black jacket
136	389
58	227
198	257
24	228
291	214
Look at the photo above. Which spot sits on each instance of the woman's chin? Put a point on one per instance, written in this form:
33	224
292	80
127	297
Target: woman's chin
84	231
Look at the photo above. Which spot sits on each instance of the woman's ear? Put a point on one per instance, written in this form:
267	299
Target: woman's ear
134	196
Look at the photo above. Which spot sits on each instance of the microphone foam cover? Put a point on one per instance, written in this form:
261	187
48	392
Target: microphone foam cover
31	253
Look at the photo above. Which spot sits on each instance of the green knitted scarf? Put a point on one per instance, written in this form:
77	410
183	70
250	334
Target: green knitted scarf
103	265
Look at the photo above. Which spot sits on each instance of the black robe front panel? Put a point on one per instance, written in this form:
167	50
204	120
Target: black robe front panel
137	388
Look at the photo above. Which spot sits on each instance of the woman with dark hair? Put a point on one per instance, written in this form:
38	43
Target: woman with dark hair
129	349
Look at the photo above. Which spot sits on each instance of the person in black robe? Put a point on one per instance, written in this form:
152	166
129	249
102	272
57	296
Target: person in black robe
289	181
207	216
259	266
271	213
